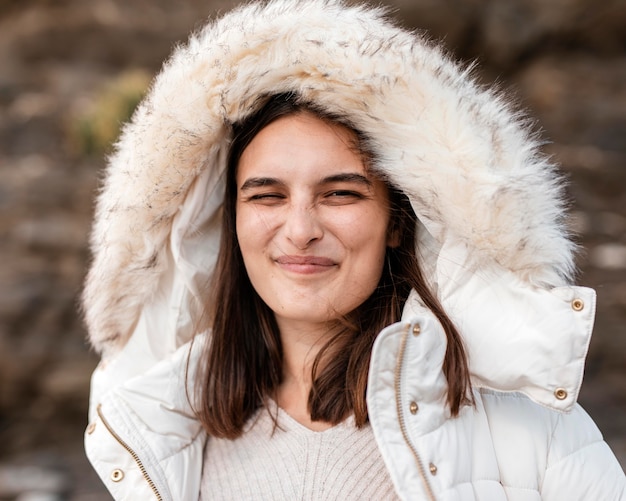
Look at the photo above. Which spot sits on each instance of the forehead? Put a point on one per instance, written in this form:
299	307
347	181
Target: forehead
295	143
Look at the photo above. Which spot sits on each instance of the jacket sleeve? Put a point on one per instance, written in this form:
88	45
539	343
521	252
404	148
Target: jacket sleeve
143	439
580	465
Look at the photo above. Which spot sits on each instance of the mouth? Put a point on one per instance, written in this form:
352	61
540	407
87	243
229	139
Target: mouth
305	264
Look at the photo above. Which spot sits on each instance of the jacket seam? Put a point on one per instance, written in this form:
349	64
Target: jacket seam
488	419
498	481
572	453
181	449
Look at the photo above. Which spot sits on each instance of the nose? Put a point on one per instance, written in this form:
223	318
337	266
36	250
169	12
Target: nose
302	227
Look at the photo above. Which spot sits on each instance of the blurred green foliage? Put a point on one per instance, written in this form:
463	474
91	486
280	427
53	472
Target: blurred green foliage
93	129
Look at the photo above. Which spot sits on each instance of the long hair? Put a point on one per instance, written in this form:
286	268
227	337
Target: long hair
242	362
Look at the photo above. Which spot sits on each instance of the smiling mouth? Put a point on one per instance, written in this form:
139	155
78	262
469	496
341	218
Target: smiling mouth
305	264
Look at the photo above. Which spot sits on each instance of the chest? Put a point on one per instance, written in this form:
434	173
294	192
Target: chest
293	462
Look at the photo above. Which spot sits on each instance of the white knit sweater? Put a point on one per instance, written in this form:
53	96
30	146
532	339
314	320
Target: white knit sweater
293	462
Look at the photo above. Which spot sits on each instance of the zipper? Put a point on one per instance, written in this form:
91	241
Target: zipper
403	428
134	455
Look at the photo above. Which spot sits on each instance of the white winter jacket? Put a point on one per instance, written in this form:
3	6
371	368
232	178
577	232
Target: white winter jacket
491	239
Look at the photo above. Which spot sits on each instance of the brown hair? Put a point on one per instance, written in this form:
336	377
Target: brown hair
242	365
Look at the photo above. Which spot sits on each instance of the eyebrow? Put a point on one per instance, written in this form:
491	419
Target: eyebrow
259	182
351	177
347	178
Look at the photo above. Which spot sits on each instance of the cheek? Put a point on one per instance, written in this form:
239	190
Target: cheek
254	234
367	239
249	225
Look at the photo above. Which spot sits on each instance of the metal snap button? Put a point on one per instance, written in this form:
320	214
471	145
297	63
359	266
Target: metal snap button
117	475
413	407
433	469
560	394
417	330
578	304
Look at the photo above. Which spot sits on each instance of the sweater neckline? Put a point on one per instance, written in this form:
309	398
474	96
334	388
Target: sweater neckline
288	423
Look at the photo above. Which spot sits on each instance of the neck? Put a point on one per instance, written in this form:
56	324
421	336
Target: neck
301	344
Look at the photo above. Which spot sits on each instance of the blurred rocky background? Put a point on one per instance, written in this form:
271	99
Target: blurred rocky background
70	70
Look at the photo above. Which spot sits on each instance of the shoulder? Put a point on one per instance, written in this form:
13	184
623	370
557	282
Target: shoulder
143	426
558	433
555	452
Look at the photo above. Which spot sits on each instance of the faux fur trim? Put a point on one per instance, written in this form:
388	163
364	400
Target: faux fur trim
470	165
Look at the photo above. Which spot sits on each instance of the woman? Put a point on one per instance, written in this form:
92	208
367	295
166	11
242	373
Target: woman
376	251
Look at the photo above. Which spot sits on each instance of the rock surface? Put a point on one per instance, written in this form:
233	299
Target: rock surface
564	59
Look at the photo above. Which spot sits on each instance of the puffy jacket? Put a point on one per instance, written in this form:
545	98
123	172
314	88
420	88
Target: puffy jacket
490	236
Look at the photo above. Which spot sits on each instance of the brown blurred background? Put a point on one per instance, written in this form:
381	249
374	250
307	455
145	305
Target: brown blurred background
70	70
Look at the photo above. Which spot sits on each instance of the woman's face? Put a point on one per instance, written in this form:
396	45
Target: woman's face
311	220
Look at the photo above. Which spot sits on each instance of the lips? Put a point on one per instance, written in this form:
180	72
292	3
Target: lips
305	264
314	260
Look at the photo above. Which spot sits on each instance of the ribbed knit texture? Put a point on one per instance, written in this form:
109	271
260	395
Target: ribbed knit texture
295	463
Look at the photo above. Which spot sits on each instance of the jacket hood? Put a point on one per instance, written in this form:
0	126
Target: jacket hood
469	164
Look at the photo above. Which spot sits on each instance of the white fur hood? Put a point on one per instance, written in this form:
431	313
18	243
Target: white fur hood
470	165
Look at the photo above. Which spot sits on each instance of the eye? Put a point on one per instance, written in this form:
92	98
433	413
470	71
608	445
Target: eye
341	197
271	198
263	196
342	193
